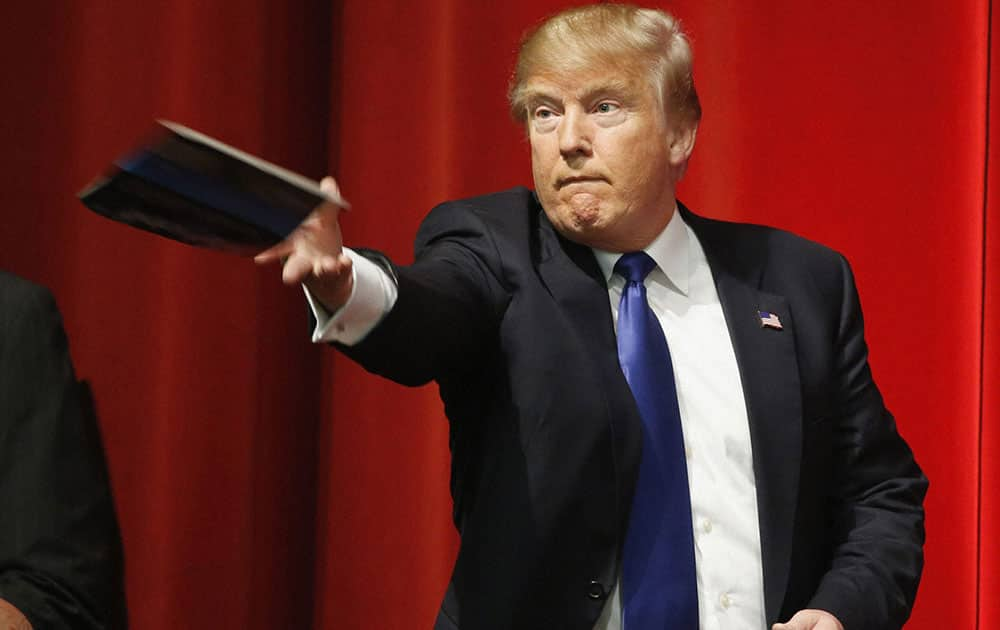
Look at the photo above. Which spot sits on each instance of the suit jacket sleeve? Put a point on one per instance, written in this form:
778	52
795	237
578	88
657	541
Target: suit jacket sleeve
449	303
878	518
60	556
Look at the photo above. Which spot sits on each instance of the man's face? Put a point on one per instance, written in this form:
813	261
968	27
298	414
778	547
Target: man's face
603	157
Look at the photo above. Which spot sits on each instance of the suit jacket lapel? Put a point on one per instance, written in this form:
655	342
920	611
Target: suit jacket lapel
769	371
574	280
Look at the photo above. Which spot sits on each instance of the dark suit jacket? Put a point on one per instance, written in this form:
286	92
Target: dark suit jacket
514	324
60	555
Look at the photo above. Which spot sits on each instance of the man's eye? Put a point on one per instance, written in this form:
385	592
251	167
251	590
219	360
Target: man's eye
542	113
606	108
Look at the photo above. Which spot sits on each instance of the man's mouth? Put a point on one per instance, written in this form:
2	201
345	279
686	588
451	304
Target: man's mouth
578	179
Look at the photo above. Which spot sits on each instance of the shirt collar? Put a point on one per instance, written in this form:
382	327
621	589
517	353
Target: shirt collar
669	250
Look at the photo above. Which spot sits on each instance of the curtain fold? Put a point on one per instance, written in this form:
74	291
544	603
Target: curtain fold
989	474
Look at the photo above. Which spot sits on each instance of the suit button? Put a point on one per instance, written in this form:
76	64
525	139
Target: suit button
596	590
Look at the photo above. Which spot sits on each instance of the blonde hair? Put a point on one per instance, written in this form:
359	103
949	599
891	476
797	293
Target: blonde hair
617	36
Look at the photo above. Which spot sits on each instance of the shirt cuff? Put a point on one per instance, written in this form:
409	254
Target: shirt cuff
372	297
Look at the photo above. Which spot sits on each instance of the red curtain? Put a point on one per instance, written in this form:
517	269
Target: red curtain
989	453
205	385
262	482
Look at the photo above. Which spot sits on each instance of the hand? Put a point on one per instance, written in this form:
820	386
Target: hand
313	254
810	619
11	618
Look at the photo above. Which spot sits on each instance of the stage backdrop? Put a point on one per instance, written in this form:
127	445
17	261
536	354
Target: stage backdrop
262	482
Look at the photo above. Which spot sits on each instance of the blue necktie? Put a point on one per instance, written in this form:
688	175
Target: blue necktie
659	587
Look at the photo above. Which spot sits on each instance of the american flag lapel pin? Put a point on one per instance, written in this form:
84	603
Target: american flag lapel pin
769	320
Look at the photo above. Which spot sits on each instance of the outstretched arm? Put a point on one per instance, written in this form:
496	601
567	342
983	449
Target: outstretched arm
436	313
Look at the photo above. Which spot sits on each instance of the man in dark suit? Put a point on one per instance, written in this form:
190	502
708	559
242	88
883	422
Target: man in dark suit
788	495
60	554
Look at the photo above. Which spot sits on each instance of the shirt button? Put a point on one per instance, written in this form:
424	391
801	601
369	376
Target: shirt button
725	601
595	590
688	452
706	526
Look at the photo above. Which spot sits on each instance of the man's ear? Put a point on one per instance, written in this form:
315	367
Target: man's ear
682	143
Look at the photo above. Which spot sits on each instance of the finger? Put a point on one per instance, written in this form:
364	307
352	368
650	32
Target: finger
277	252
296	270
341	263
802	620
324	265
332	267
328	265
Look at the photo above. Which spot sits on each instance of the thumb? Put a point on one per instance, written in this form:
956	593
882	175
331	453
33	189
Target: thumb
331	189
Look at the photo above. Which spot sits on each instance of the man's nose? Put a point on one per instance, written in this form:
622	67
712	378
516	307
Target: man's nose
575	134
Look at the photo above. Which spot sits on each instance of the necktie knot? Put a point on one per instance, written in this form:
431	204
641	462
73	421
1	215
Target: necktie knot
634	266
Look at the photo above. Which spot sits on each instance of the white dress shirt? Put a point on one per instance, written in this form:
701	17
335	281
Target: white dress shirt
682	294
